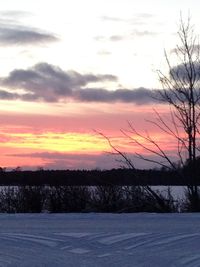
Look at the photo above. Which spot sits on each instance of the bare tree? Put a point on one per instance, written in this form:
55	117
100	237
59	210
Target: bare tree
162	202
181	91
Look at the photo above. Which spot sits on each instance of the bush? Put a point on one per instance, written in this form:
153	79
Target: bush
22	199
82	199
68	198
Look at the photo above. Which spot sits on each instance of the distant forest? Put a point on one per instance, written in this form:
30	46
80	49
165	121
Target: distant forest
116	190
94	177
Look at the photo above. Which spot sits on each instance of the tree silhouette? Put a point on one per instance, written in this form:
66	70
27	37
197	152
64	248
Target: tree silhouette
181	91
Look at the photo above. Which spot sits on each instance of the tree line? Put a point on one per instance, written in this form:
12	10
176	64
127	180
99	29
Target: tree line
118	199
122	176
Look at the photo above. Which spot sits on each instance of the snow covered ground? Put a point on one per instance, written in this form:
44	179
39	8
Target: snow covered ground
99	240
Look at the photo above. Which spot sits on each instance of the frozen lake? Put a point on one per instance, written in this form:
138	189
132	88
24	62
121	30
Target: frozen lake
100	240
178	192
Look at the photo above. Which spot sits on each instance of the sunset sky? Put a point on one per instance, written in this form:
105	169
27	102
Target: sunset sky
70	68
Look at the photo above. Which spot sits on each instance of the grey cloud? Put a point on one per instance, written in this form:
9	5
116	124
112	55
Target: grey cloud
132	35
180	72
116	38
193	49
14	14
4	95
115	19
143	33
42	82
83	161
12	17
45	82
104	53
135	33
138	96
138	18
48	83
17	35
69	161
93	95
112	38
54	77
13	31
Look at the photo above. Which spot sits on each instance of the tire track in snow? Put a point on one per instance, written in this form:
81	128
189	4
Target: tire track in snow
42	240
113	239
174	239
144	241
191	261
98	245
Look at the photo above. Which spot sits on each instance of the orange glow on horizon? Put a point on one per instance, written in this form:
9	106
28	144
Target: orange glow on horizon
29	149
76	142
57	142
22	136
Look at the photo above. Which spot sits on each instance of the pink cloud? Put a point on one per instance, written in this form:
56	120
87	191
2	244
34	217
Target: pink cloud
18	128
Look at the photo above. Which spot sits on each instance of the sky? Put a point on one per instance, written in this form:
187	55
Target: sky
71	69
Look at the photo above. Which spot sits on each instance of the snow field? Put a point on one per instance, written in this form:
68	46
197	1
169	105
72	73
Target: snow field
91	240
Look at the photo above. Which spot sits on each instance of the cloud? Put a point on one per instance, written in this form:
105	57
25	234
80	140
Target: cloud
139	22
13	31
18	35
135	33
4	95
132	35
102	161
104	53
194	49
136	19
181	72
143	33
138	96
14	14
71	161
45	82
49	83
100	38
116	38
142	18
114	19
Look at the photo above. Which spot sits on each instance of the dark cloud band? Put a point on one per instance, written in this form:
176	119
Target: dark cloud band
16	35
48	83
